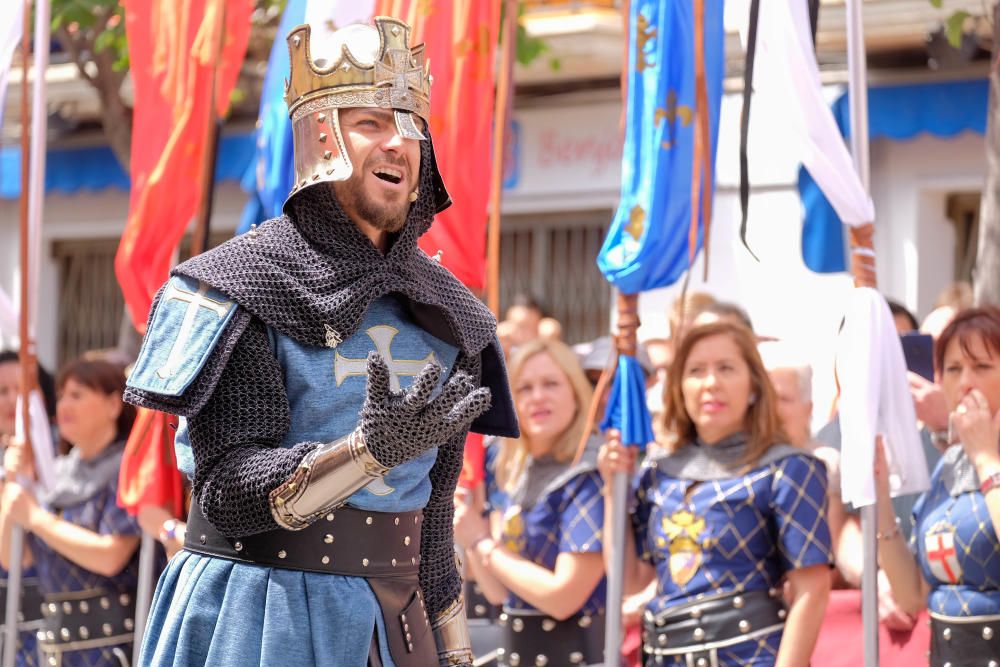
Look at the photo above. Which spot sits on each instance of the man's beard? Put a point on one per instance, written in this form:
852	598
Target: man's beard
384	217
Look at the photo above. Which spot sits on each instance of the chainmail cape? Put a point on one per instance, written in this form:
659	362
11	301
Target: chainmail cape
543	475
702	463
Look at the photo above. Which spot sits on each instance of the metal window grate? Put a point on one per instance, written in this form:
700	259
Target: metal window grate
90	302
91	305
553	258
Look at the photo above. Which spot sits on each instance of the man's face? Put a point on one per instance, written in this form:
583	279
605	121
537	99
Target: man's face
525	321
386	169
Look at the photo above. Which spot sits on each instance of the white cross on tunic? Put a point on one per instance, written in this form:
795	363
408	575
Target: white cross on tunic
382	336
197	300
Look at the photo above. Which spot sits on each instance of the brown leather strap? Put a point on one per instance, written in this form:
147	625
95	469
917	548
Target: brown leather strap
347	541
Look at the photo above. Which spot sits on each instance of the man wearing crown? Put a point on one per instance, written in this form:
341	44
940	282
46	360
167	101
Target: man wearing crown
326	372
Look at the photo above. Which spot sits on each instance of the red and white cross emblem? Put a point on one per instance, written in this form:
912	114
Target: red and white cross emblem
941	557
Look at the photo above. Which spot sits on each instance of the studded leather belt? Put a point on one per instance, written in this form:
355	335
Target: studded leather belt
382	547
532	638
31	607
957	641
86	619
347	541
701	627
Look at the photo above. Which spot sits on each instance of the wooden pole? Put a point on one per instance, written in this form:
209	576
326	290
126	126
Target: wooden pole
501	116
26	352
202	227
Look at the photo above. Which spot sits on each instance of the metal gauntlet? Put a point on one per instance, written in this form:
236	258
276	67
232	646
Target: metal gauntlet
324	480
451	634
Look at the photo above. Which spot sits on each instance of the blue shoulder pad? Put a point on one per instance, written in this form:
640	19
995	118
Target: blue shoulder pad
189	319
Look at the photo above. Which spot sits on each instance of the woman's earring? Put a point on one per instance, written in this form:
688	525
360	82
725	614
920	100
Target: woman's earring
753	397
414	195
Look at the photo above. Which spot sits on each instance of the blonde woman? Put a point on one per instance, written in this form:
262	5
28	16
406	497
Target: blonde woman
543	564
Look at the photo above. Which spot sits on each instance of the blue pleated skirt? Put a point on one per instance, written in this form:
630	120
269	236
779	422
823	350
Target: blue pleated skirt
213	611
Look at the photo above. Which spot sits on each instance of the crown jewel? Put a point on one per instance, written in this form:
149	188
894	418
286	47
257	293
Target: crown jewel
391	75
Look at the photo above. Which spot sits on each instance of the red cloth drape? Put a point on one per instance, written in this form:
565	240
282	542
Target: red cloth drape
173	54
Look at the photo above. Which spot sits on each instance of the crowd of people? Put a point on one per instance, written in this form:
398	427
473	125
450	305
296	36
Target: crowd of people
736	532
326	375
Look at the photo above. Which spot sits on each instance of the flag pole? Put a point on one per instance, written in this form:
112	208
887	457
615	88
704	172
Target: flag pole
501	121
32	200
863	269
199	240
626	343
17	533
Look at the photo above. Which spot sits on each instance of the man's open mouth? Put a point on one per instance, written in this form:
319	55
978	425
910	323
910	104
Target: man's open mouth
389	175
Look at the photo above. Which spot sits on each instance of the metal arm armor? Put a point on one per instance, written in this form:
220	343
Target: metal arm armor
451	635
325	479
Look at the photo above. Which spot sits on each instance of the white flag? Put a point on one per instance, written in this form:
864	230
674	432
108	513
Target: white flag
786	79
41	438
11	24
875	400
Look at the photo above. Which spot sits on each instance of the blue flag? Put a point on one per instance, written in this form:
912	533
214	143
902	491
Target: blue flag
647	245
269	177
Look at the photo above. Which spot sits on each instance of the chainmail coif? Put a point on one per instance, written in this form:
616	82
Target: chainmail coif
315	269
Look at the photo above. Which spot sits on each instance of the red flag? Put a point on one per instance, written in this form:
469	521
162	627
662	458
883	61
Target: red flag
473	462
461	37
175	57
148	474
173	54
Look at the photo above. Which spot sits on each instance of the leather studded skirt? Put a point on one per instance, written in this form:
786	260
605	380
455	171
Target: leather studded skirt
532	639
88	619
698	630
965	641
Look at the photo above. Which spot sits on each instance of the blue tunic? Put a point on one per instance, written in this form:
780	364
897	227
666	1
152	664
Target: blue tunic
219	612
56	574
956	545
566	519
732	535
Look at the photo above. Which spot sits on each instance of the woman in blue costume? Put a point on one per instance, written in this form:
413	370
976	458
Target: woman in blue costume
952	565
327	371
727	518
544	564
10	381
82	545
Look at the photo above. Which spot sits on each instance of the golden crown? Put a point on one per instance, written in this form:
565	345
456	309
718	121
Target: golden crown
393	76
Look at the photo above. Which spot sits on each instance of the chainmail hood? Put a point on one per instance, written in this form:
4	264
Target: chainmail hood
701	462
312	274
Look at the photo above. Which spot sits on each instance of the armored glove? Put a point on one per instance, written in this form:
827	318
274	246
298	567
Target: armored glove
400	426
395	427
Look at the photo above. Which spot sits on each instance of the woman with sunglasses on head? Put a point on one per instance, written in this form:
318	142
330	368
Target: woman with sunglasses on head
726	518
